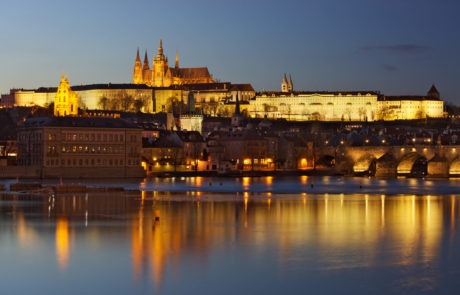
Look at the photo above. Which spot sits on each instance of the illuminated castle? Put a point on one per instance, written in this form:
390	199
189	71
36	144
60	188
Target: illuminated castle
161	75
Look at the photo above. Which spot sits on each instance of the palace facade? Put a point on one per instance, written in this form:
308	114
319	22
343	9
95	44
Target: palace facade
343	106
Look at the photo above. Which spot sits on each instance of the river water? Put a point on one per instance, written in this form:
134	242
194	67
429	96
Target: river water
269	235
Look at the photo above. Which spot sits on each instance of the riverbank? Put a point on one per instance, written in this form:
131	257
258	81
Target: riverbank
248	173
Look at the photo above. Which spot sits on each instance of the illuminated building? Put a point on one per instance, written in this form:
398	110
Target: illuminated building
80	147
66	100
344	106
109	96
174	151
211	99
161	75
319	106
411	107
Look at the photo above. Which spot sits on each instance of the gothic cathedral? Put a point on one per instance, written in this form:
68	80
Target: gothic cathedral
161	75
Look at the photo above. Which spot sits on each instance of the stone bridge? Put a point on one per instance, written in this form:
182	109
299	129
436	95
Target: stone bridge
411	160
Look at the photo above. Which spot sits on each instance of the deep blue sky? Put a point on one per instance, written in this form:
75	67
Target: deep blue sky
394	46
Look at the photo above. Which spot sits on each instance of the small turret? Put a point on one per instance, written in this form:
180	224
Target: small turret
433	93
290	86
237	118
176	64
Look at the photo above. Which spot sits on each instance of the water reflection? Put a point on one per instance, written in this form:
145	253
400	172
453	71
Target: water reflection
62	242
328	233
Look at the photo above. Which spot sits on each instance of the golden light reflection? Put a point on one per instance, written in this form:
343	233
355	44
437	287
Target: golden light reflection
246	198
382	211
27	237
268	180
335	223
62	242
246	182
304	179
452	212
304	199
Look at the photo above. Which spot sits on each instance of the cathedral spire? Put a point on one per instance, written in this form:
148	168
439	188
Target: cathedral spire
160	49
237	117
237	104
146	61
290	86
137	70
284	84
137	56
176	64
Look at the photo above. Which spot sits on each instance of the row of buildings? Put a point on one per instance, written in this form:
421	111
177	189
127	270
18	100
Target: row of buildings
218	99
161	88
112	147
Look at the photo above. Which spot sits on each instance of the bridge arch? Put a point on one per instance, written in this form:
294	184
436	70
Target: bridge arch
413	164
365	165
454	169
386	165
325	161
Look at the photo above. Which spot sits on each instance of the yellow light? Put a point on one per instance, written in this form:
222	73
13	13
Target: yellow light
304	179
303	163
62	242
247	161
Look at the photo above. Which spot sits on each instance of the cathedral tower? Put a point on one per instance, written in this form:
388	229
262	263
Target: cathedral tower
286	85
160	65
137	71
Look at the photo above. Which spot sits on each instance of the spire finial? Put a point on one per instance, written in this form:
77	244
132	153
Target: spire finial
177	60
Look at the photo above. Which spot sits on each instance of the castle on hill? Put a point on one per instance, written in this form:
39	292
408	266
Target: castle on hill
161	75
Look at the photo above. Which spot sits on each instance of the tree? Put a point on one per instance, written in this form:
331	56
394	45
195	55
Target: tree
103	103
138	105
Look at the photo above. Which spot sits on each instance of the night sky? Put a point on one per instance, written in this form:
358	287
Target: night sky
398	47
